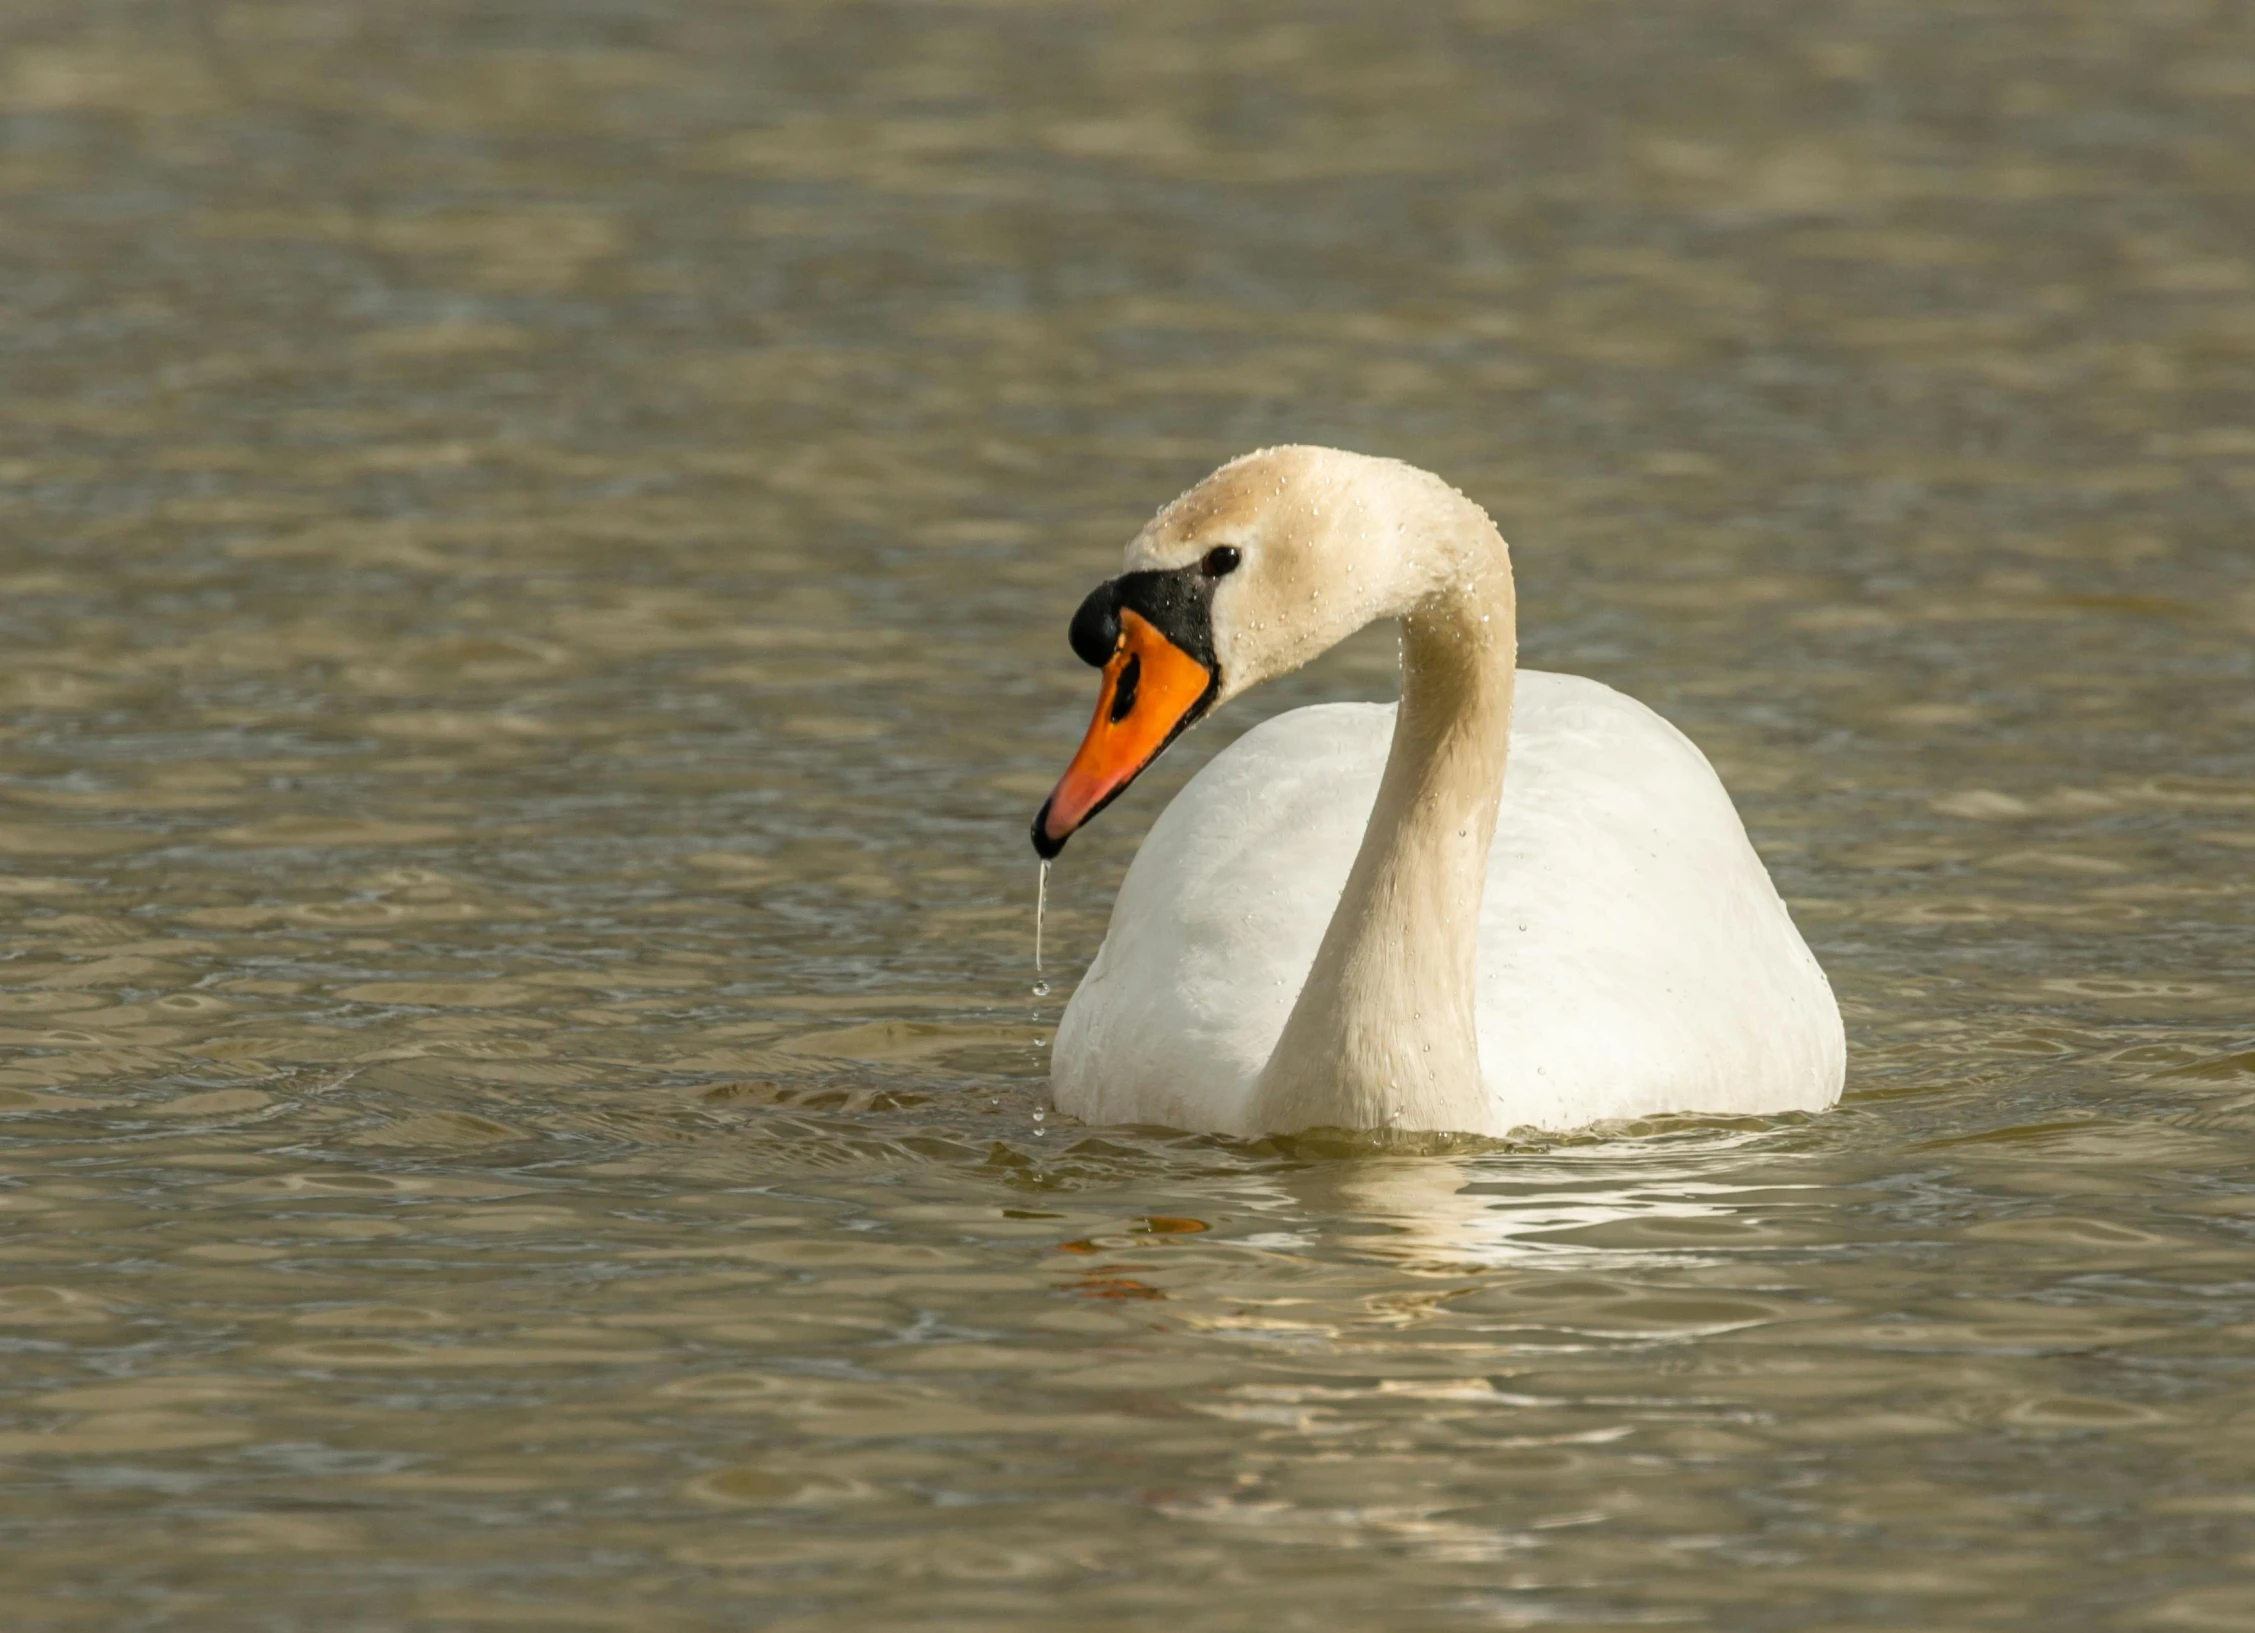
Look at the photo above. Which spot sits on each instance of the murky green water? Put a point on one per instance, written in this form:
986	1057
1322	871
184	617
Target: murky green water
535	553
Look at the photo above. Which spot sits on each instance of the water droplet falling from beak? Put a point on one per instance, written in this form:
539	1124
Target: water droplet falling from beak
1041	908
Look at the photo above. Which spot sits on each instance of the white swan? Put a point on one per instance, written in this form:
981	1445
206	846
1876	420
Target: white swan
1333	926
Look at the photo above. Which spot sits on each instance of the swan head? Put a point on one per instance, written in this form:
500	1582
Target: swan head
1266	563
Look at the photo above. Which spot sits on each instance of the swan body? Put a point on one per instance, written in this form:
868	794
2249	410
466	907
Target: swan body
1634	958
1356	917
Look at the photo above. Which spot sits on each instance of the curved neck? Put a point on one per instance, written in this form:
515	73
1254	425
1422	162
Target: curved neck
1383	1032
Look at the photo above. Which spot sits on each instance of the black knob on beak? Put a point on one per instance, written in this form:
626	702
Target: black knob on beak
1096	627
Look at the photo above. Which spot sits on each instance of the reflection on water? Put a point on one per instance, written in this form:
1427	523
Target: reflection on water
1601	1208
536	549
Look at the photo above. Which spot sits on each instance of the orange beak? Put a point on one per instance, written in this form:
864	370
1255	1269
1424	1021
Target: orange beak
1152	691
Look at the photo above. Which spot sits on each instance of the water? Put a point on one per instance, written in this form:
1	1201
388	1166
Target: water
1041	912
537	548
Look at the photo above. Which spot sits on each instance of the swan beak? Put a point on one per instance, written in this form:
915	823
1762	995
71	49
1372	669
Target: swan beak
1153	691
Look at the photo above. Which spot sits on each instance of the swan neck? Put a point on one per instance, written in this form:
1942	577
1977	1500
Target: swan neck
1383	1034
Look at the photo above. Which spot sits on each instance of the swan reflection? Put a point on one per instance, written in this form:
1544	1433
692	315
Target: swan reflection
1615	1206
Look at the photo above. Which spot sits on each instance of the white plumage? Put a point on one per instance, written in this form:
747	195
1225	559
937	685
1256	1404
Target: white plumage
1633	956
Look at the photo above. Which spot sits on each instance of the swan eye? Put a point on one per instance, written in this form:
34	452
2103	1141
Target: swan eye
1220	561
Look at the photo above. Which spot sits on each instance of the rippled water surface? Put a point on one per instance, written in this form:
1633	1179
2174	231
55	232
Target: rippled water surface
535	541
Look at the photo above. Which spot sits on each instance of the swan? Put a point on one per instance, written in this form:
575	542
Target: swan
1353	918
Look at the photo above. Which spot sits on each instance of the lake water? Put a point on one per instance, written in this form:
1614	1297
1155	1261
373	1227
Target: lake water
536	548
